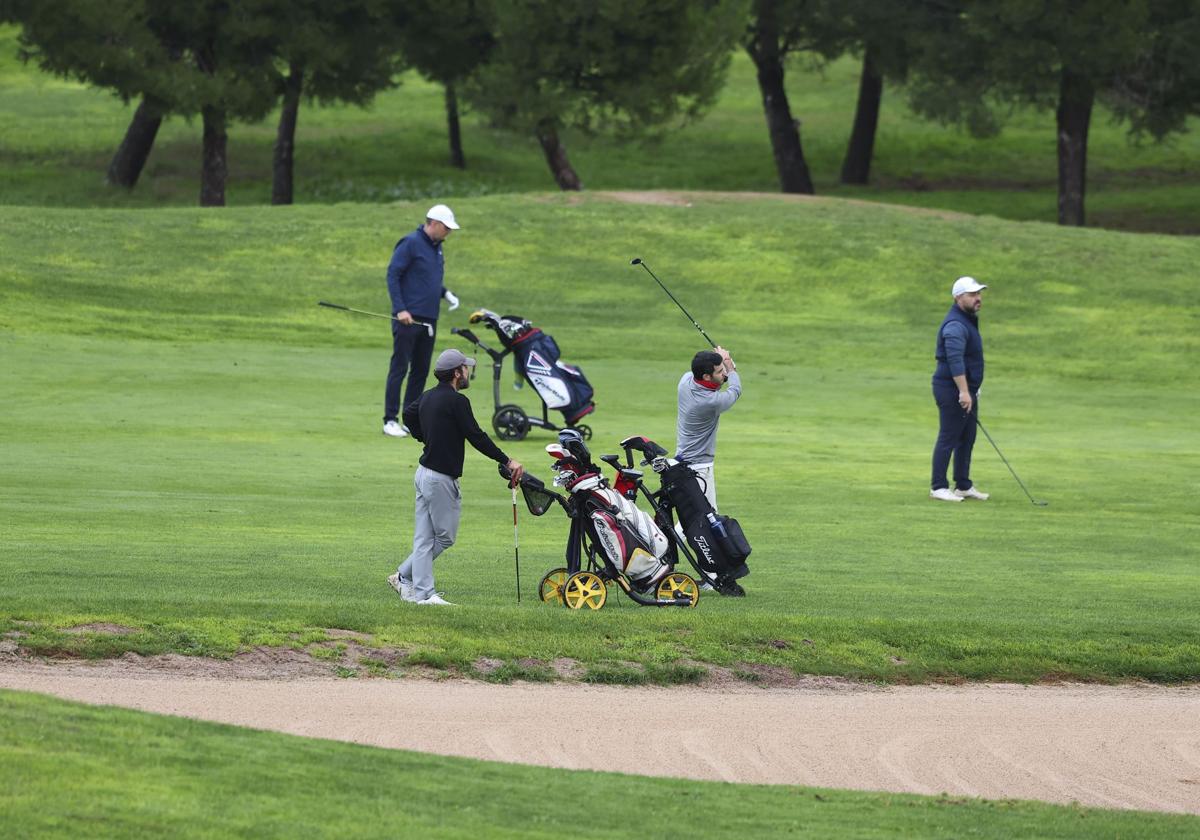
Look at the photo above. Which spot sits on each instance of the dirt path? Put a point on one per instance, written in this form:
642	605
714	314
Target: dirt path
1113	747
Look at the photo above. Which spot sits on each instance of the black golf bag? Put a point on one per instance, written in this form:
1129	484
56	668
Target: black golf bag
720	546
536	357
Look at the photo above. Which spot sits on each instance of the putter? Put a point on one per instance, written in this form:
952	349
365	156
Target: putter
516	543
1010	469
638	261
428	327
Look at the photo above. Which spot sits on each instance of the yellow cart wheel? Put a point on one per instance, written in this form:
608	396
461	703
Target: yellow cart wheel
551	587
678	585
585	589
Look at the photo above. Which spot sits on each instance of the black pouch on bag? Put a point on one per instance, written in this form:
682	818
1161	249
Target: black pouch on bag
734	545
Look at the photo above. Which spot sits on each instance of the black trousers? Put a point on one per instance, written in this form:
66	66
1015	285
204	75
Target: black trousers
956	436
412	349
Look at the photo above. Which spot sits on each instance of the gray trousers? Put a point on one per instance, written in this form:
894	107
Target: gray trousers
438	508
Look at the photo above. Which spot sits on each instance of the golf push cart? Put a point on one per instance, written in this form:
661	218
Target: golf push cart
536	358
610	540
714	545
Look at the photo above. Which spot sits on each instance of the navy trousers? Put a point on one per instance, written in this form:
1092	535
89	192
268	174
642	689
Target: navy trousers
412	348
956	436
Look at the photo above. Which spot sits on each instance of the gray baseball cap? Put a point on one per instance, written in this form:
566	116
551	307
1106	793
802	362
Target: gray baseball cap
451	359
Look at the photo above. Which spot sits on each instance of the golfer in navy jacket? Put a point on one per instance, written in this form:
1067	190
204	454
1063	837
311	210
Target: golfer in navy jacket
414	279
956	382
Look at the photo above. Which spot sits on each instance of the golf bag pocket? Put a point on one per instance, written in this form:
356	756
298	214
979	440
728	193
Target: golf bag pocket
719	544
734	543
641	560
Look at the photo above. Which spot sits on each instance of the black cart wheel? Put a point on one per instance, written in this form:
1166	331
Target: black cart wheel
510	422
585	431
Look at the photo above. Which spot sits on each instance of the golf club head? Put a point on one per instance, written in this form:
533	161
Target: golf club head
636	261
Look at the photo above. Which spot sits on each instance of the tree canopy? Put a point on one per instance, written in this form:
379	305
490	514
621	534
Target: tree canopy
625	65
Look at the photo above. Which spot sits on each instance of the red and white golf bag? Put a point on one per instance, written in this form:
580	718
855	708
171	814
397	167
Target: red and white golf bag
629	537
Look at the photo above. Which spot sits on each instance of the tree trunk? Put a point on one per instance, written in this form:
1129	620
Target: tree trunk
126	165
283	163
213	167
856	168
457	158
556	157
1075	97
784	130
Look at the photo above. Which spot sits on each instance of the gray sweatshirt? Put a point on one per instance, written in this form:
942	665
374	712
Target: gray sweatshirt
700	409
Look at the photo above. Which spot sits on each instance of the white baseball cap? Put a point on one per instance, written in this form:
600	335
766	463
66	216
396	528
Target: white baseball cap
442	213
966	285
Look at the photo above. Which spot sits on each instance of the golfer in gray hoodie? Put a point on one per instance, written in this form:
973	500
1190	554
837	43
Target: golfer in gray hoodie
701	404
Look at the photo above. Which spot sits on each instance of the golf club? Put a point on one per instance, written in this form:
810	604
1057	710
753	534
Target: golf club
428	327
638	261
1010	469
516	543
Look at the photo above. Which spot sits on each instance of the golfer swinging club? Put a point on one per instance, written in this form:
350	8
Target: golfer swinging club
956	382
701	404
414	280
442	420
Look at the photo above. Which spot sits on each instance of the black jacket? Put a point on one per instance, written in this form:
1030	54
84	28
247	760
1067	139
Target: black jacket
442	420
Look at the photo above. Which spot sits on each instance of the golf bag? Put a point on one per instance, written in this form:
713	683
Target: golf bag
720	546
611	540
629	537
537	358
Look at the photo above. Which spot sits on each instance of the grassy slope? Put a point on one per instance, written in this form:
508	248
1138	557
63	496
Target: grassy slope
192	447
67	770
56	139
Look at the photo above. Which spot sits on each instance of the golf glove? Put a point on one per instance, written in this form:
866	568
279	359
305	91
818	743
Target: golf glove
451	299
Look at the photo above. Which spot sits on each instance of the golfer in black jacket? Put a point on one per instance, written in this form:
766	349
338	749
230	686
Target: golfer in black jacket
442	420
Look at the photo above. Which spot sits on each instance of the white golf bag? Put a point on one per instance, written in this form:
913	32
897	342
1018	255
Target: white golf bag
629	537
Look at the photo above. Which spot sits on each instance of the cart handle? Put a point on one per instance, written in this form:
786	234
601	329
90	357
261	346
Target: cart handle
474	339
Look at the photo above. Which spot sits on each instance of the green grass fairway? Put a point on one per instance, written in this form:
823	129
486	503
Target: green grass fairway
68	770
57	137
191	446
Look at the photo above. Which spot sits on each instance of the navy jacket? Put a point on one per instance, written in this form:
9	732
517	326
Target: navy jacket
959	351
414	276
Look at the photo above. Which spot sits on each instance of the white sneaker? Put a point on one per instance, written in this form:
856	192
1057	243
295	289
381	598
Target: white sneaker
944	494
403	587
972	493
393	429
435	600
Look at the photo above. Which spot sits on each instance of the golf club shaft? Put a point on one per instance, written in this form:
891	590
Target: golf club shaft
1005	460
639	261
516	544
426	325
